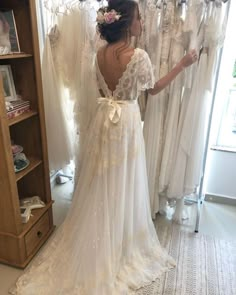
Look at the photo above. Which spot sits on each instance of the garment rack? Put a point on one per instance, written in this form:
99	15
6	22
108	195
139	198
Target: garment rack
200	194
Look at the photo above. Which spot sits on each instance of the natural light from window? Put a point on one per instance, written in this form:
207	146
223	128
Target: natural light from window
224	118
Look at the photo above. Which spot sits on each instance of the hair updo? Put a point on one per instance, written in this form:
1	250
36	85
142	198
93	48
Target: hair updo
119	29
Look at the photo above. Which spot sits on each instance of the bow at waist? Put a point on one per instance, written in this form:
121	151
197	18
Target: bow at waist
115	111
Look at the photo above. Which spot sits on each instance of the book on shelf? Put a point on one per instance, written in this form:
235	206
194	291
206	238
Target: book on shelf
17	108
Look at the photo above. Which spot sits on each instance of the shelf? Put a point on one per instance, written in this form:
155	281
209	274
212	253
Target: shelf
22	117
223	149
37	214
20	242
34	163
15	56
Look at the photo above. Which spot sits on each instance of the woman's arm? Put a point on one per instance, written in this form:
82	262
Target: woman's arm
186	61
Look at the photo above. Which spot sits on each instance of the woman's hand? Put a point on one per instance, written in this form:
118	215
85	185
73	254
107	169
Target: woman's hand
190	58
186	61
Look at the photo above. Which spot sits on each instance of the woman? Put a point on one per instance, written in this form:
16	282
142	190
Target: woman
108	244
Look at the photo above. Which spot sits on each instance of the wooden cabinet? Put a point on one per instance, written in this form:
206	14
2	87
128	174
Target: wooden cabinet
20	242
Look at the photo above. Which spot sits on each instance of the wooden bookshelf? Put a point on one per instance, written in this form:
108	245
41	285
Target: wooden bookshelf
20	242
34	163
36	215
22	117
15	56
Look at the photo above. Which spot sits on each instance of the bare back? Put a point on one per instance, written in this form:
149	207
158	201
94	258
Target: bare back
112	66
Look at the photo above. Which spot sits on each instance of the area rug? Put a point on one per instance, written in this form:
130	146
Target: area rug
205	266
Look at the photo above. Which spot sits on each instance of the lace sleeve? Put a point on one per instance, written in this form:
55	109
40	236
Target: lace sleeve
146	79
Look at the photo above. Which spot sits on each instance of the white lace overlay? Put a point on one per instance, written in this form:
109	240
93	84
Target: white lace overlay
108	243
156	111
137	77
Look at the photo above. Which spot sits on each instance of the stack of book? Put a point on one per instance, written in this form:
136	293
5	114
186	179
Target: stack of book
17	108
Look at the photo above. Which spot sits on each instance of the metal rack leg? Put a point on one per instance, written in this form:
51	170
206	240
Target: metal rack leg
199	203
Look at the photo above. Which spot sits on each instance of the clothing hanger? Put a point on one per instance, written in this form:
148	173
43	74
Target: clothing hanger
180	2
182	6
55	11
159	4
164	3
79	3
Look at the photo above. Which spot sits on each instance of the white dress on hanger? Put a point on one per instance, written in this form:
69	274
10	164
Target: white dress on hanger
107	243
174	107
187	169
75	60
177	187
56	124
213	41
156	109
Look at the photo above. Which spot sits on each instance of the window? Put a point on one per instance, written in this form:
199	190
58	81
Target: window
223	129
227	130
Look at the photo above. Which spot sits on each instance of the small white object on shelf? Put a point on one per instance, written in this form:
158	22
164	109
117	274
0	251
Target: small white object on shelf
5	50
25	214
32	203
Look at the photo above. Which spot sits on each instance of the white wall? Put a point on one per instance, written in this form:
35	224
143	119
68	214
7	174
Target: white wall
221	174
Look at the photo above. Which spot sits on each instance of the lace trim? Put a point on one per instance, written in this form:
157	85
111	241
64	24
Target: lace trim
137	77
127	70
154	264
102	79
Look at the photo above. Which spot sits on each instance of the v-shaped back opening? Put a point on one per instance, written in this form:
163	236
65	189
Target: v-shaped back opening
121	77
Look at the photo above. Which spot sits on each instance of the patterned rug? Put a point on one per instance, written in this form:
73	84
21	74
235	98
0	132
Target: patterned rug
205	266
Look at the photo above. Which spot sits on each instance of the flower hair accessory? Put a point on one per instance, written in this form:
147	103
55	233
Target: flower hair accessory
104	17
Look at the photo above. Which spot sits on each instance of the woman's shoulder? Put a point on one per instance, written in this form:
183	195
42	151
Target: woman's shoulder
143	56
140	56
142	52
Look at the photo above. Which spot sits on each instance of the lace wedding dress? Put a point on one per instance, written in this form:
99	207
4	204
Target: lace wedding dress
187	168
107	244
156	111
59	154
174	106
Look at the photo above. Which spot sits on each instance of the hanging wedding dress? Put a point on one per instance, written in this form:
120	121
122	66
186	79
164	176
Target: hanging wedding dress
174	106
187	168
184	39
157	107
108	243
74	62
213	41
82	61
194	32
59	154
177	184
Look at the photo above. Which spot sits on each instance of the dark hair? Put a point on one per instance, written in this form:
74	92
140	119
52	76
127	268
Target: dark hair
119	29
6	26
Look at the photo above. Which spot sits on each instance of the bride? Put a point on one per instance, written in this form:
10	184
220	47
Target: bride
108	244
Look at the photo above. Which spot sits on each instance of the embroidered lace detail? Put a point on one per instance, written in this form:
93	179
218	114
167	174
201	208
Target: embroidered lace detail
137	77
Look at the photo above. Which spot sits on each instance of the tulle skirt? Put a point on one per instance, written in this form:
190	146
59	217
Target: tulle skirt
107	244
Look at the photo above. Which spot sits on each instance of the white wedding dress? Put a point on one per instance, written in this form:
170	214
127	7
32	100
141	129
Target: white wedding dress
187	168
108	244
59	154
156	110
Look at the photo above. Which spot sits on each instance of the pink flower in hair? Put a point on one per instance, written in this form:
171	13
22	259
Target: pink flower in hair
108	17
